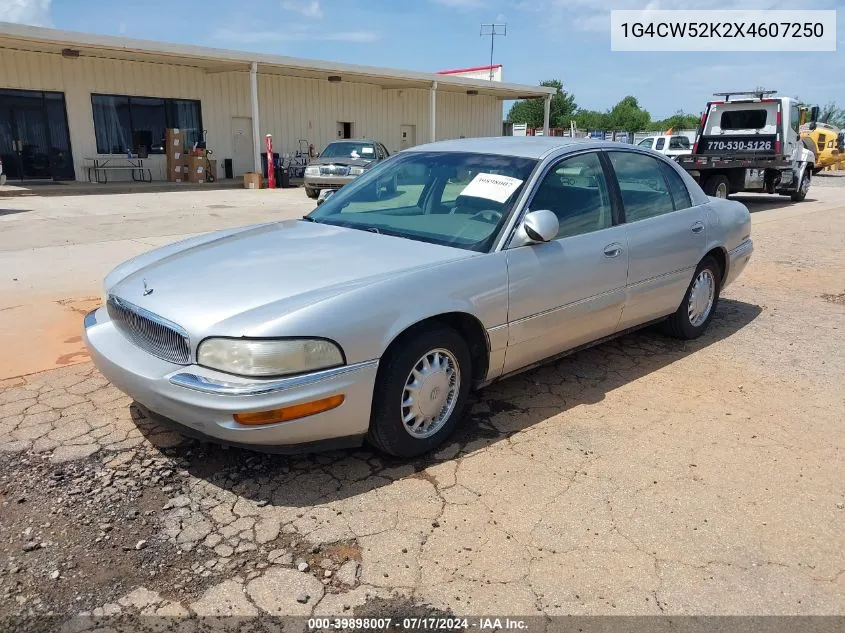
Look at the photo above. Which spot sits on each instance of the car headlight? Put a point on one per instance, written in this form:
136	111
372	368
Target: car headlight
312	171
249	357
356	171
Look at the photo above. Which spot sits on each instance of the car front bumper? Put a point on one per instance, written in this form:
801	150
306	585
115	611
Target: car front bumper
203	401
327	182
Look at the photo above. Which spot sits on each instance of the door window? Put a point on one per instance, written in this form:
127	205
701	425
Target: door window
679	142
646	142
794	118
575	190
645	193
679	191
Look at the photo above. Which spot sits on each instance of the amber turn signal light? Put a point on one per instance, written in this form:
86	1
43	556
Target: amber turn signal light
285	414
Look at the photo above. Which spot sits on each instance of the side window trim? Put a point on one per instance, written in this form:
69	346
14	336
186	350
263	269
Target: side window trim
616	205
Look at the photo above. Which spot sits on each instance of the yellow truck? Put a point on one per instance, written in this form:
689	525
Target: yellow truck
829	142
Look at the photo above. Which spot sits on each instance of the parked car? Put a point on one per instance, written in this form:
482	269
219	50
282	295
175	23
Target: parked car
373	318
340	162
668	144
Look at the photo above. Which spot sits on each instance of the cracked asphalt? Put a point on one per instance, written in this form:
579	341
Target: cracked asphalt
643	476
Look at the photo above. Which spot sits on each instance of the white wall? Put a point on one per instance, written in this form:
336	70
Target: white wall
290	108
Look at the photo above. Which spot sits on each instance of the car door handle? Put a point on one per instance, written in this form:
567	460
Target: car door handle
698	227
613	250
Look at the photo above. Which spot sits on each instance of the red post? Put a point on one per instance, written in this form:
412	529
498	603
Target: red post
271	171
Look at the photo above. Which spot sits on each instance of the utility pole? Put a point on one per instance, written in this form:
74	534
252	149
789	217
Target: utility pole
493	30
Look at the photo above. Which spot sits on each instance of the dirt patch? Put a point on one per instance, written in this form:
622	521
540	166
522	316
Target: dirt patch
399	608
837	299
58	341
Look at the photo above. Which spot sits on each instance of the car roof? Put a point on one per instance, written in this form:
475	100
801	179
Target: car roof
522	146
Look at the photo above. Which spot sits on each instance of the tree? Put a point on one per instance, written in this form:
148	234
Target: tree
832	115
678	121
627	115
530	111
591	120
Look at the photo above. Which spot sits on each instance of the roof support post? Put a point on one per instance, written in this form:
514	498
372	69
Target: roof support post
432	113
547	106
256	125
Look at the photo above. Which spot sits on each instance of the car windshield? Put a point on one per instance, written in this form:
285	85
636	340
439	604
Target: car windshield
451	198
355	149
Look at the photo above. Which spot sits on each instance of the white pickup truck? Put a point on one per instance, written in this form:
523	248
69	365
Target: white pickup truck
668	144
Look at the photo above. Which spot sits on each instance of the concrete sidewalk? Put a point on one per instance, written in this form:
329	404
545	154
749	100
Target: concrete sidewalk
55	251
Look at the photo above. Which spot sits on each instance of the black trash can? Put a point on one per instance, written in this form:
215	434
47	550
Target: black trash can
282	177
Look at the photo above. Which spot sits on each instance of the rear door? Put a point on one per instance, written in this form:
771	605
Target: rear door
665	235
568	291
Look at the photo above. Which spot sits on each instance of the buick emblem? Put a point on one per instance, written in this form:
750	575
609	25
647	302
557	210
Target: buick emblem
147	289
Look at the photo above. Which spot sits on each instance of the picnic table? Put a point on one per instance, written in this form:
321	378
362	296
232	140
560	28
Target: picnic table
101	166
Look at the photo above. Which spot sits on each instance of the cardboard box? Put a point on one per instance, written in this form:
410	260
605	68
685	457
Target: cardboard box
196	169
177	173
174	142
174	158
252	180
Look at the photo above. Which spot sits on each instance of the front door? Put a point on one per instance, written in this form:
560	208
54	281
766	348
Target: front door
666	235
408	135
569	291
34	137
243	157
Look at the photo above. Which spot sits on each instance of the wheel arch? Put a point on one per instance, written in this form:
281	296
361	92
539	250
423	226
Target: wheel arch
721	256
467	325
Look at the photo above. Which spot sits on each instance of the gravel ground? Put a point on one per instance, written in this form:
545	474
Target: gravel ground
643	476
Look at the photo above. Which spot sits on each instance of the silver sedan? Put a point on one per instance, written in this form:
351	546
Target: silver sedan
375	315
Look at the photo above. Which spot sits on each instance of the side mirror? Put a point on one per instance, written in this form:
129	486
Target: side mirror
325	194
537	227
814	114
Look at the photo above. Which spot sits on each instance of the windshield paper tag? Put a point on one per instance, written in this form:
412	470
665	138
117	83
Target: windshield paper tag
491	187
367	150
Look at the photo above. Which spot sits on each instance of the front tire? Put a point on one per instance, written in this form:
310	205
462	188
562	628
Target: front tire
699	304
717	186
312	193
803	187
421	392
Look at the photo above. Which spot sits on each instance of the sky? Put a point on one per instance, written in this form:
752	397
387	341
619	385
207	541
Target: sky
546	39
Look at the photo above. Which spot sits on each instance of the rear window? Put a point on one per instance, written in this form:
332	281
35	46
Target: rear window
743	120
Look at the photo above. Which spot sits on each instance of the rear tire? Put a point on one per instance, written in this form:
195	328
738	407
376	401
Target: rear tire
717	186
427	368
699	304
803	186
312	193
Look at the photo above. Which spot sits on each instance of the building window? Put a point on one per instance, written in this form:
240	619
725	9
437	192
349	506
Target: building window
137	124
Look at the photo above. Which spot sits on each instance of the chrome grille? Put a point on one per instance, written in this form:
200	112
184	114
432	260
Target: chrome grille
334	170
150	332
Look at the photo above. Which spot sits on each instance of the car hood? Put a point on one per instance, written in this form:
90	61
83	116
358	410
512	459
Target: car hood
234	283
348	162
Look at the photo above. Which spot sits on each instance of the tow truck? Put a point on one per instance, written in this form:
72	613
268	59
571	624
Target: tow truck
750	141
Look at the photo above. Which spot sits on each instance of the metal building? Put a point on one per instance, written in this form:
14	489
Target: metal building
66	98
